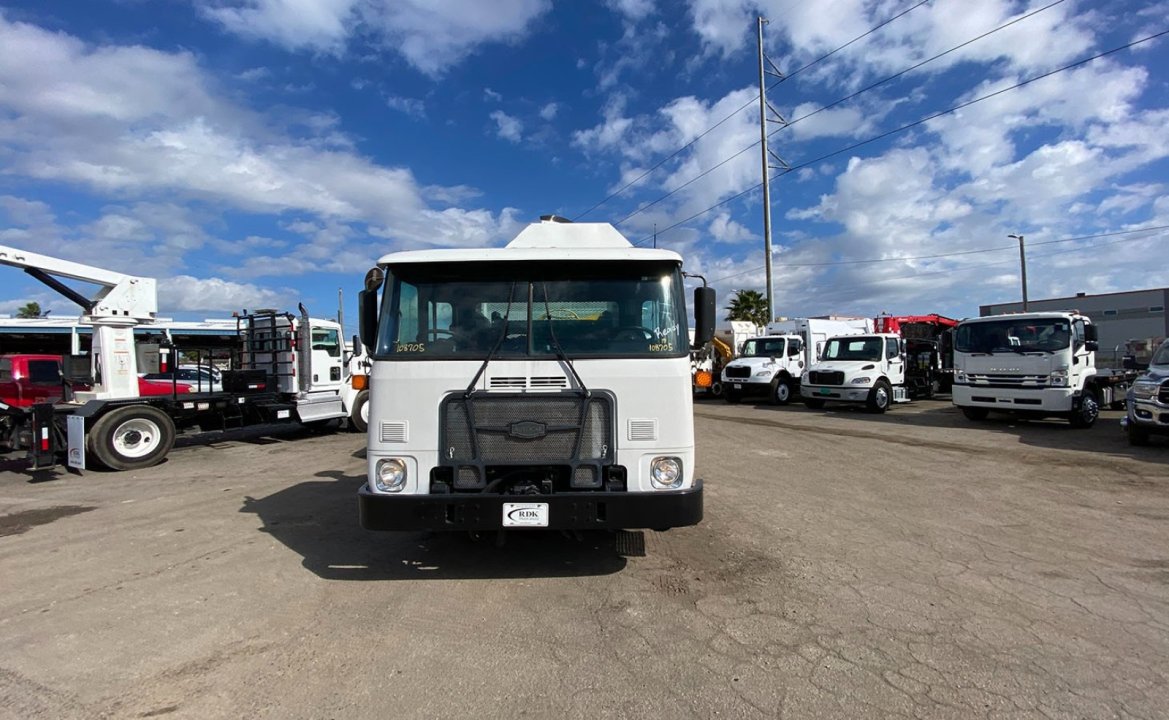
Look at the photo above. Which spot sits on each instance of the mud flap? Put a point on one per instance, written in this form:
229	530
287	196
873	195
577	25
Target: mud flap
43	445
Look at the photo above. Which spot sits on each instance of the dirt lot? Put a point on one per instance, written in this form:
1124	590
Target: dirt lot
850	565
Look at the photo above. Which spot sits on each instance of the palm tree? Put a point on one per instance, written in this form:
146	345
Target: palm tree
30	310
749	305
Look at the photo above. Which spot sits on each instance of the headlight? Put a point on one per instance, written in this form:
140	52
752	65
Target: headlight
763	373
959	377
804	377
1145	390
665	472
1058	378
390	475
861	380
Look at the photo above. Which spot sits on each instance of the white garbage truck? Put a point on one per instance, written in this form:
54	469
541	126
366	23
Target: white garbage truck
1039	364
546	384
771	365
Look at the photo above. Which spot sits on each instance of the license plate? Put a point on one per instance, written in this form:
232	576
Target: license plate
825	391
737	386
525	514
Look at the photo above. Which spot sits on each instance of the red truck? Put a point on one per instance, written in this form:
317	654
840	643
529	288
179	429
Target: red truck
29	379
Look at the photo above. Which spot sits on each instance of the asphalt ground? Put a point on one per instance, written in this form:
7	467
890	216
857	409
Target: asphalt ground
850	565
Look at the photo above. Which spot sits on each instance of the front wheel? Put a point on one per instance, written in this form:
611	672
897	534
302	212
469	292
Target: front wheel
975	413
359	413
781	392
132	437
880	397
1085	416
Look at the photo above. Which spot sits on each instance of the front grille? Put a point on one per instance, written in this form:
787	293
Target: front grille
1000	380
525	430
832	377
1163	394
738	372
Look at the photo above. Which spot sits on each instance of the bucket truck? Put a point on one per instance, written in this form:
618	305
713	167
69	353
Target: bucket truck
287	368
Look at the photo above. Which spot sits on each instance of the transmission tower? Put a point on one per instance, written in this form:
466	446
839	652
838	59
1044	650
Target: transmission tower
768	114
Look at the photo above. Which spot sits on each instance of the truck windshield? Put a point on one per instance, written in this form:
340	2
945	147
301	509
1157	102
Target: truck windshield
763	347
589	309
1013	335
854	348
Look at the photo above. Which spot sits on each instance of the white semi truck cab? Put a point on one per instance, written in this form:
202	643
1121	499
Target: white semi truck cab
768	366
542	385
1032	364
867	368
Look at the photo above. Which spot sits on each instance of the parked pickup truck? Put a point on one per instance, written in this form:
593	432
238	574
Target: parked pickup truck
1147	401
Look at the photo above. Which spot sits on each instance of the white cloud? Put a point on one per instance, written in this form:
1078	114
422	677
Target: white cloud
184	293
632	10
548	112
490	95
431	36
723	229
413	107
507	127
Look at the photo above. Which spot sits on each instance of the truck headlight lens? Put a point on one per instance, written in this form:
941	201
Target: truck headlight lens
390	475
959	377
665	472
865	380
1058	378
1145	390
763	373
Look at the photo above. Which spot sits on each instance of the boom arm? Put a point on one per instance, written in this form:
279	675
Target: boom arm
122	300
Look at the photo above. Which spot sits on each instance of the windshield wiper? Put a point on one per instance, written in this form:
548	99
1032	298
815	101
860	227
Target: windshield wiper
560	354
495	347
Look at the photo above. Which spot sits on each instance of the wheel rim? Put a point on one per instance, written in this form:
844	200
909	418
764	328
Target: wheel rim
137	437
364	412
1089	409
782	393
882	398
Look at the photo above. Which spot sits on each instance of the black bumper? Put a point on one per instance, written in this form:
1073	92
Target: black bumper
566	511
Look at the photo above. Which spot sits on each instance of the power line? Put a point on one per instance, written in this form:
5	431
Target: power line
914	124
964	252
833	104
749	103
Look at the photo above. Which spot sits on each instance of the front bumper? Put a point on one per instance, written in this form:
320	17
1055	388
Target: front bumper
839	393
1148	416
747	386
1043	400
656	510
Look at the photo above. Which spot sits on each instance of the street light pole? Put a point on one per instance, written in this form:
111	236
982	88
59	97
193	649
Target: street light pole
1022	267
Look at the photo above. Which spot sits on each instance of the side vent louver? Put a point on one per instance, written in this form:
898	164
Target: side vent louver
643	429
394	431
555	381
507	382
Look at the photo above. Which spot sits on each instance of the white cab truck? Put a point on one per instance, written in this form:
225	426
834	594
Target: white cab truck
770	365
286	368
1035	365
546	384
867	369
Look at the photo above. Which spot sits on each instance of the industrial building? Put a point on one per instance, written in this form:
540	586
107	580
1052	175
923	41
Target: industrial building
1134	317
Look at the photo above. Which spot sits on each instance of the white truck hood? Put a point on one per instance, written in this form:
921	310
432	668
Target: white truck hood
755	363
850	368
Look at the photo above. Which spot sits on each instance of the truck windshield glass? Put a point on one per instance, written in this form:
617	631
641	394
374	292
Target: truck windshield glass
591	309
1004	336
854	348
1161	357
763	347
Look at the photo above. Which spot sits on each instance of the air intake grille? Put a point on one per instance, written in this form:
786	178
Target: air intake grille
555	381
507	382
394	431
525	429
736	371
834	377
643	429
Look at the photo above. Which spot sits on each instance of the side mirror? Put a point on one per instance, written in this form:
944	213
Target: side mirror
367	307
1091	333
355	346
704	307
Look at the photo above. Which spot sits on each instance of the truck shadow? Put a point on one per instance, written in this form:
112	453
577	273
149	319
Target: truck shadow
317	519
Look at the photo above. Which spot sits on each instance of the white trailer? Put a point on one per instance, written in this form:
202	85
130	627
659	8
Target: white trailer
771	365
546	384
1033	364
288	368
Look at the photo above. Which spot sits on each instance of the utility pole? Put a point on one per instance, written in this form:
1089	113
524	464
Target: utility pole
1022	267
341	311
767	156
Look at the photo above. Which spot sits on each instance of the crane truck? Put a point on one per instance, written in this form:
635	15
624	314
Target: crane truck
286	368
545	384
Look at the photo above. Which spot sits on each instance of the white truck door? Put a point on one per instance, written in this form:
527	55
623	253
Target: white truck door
895	362
327	361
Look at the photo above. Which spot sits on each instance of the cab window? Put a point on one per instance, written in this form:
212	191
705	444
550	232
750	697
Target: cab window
327	339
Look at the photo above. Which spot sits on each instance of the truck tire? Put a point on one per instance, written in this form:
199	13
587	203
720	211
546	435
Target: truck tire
1085	416
1137	436
975	413
880	397
132	437
781	391
359	413
813	403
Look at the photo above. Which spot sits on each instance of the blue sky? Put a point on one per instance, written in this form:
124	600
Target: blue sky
254	153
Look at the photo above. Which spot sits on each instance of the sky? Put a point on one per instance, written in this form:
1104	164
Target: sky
261	153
